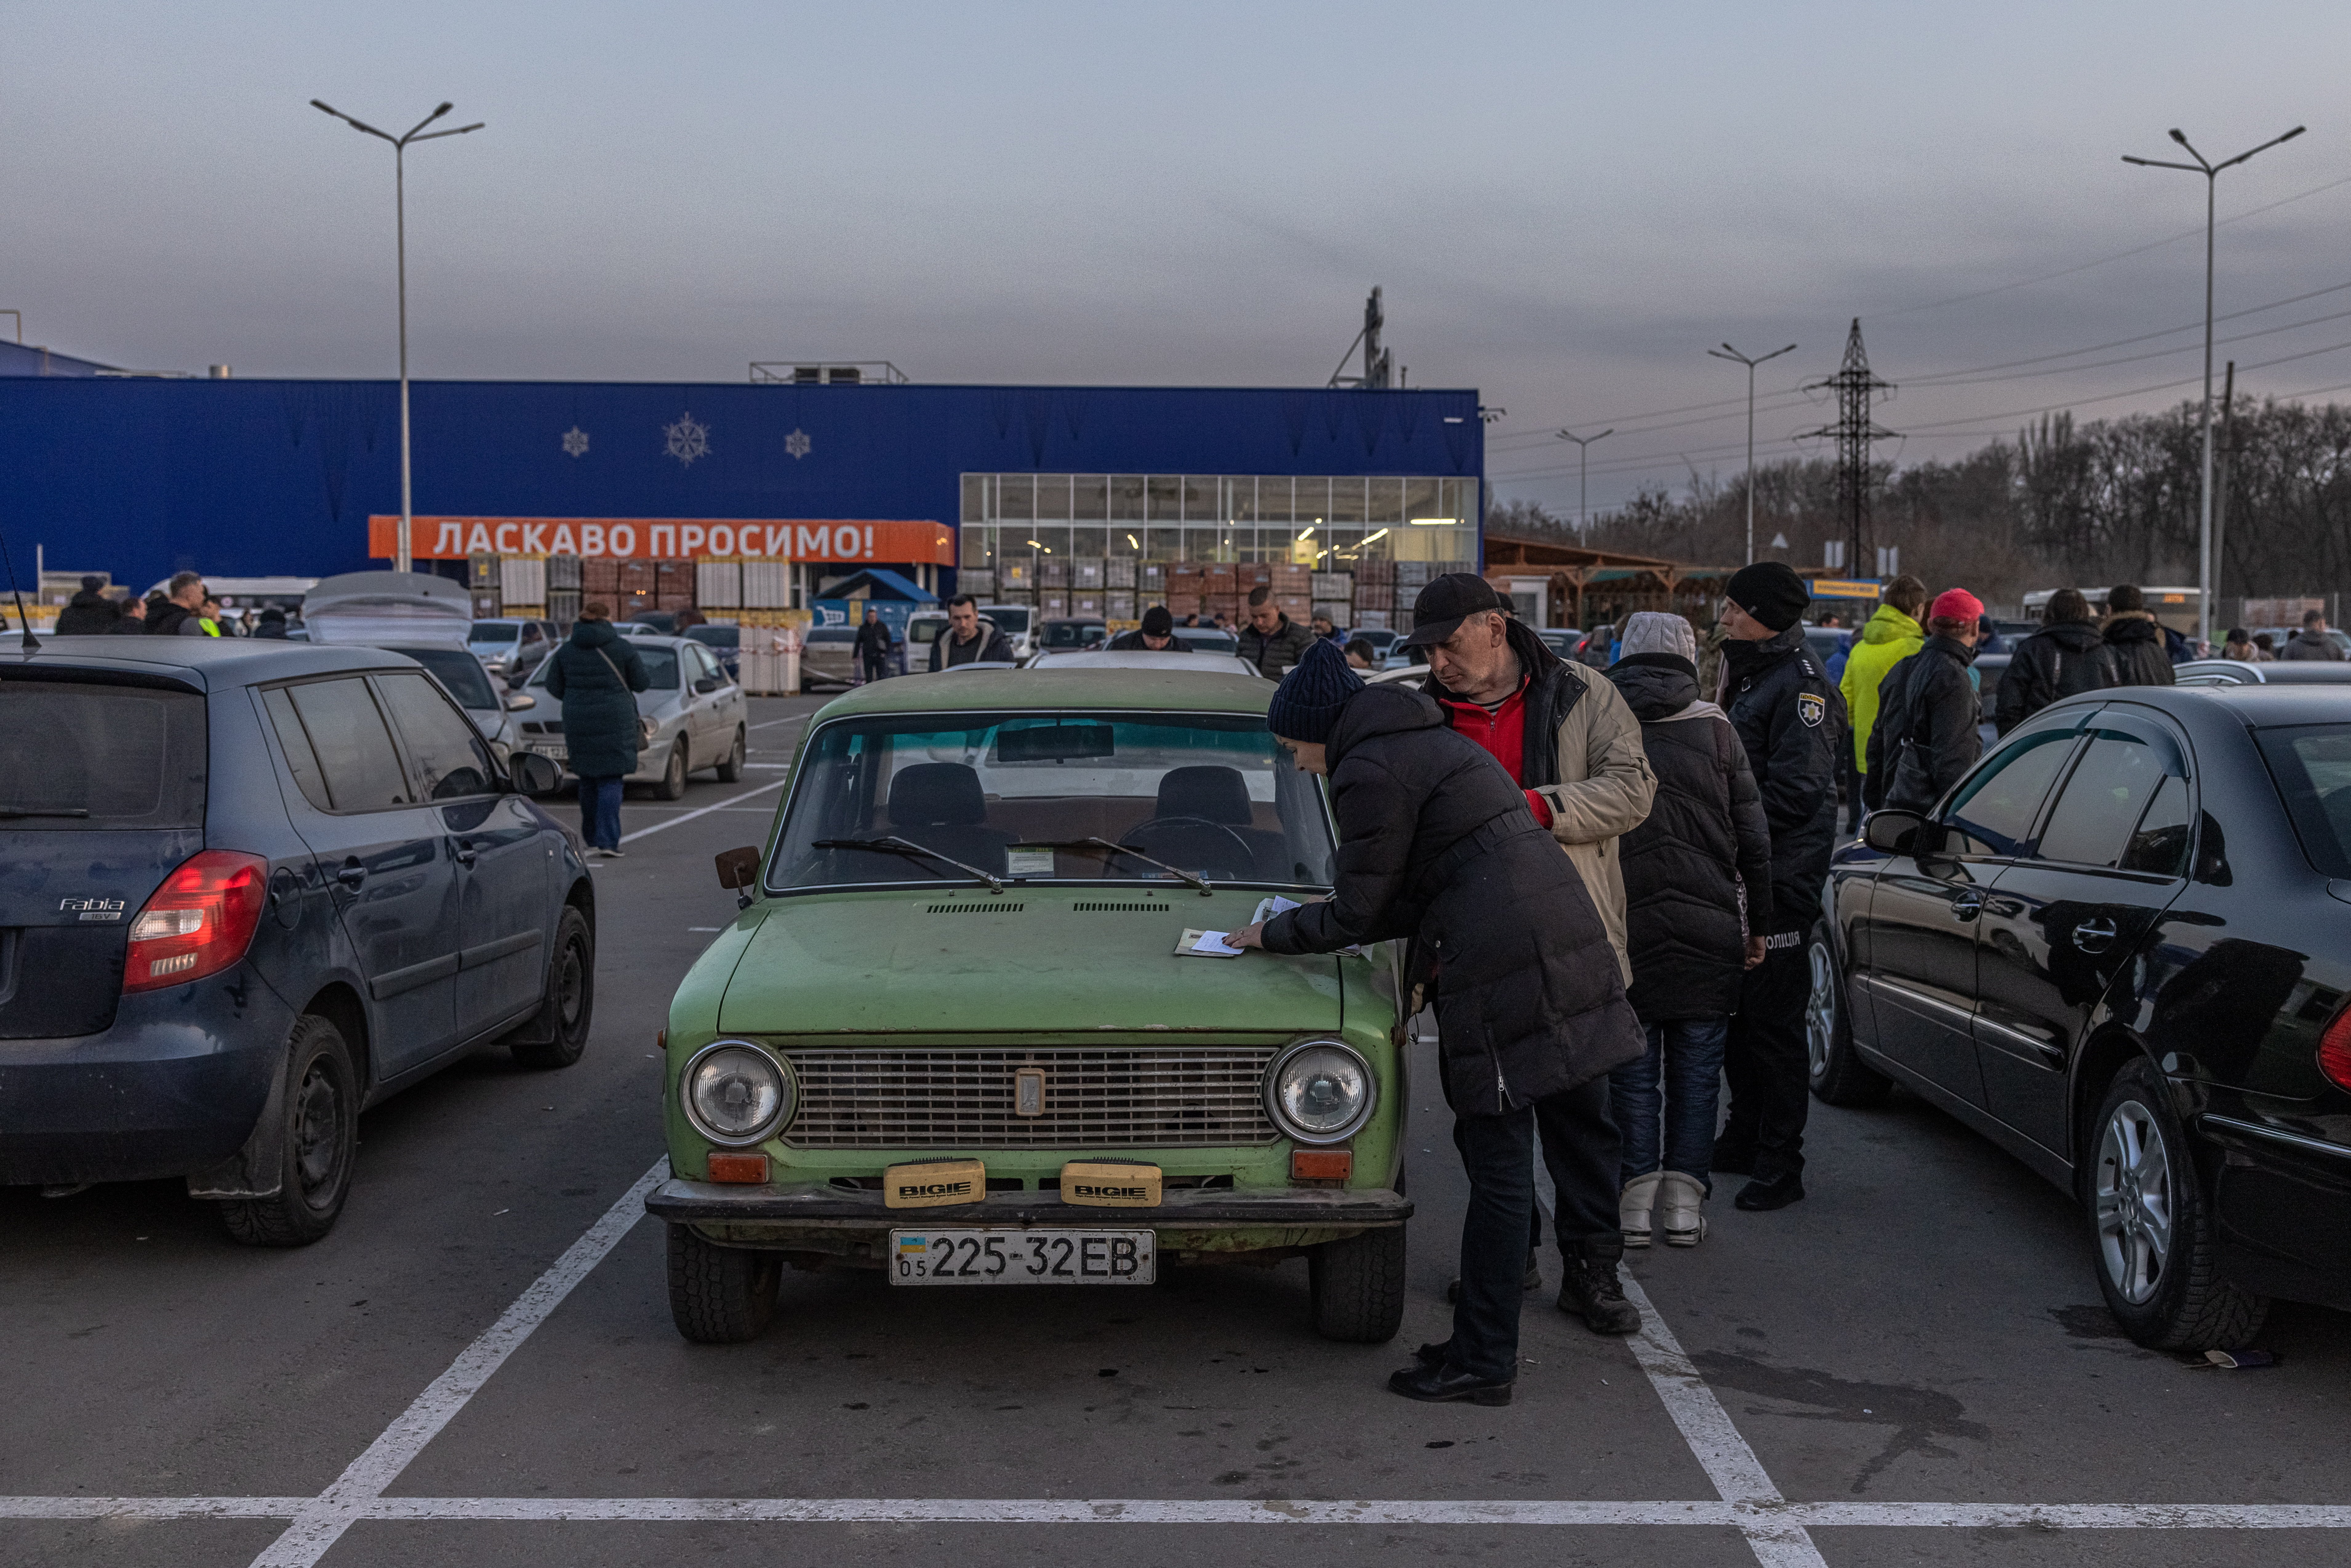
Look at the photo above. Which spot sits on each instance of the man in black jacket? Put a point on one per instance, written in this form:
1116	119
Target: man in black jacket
2136	652
1272	640
1437	845
1791	718
90	614
2065	656
1928	715
873	644
968	640
1157	635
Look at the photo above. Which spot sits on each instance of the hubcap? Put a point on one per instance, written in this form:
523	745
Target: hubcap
2132	1190
1820	1009
677	768
317	1129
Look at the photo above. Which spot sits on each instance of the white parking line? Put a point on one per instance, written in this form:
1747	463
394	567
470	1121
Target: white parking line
705	810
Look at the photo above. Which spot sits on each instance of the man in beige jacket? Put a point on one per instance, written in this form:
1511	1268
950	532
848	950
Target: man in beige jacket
1563	733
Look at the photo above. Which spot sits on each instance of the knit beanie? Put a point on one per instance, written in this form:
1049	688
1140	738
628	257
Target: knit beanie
1306	704
1955	605
1770	592
1157	621
1656	631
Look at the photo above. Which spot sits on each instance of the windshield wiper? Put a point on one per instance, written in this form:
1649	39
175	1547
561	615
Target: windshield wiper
1100	844
37	811
893	844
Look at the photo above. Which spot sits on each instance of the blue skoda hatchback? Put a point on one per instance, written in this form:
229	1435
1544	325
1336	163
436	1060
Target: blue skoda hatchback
248	889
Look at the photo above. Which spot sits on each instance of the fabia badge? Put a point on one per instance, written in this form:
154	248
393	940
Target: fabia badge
91	908
1811	709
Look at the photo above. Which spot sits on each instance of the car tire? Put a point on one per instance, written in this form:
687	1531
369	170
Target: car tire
1839	1076
565	1017
672	780
2151	1232
719	1295
1356	1285
321	1107
731	770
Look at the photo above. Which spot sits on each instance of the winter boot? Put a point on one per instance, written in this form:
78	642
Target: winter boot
1681	1195
1633	1209
1592	1291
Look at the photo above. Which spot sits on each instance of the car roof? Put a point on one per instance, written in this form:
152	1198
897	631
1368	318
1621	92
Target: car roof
2281	672
209	663
1048	690
1143	659
2259	706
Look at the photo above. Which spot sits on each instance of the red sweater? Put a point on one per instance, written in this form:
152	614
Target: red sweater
1503	734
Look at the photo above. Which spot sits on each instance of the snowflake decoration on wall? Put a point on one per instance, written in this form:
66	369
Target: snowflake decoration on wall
687	440
575	442
798	443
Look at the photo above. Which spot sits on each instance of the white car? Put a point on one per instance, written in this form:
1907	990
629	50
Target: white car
1019	624
698	713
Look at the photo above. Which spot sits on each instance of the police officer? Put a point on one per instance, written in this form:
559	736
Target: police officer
1790	717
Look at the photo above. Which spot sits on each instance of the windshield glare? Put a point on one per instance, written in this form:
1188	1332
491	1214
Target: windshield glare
1210	793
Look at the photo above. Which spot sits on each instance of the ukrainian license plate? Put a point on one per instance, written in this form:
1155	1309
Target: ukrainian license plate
552	753
993	1256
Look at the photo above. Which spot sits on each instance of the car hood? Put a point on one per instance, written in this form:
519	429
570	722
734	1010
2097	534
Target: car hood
1027	962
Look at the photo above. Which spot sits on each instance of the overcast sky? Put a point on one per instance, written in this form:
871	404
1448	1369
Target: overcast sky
1565	205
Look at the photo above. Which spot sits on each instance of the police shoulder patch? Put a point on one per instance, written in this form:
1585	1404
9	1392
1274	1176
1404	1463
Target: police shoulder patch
1811	709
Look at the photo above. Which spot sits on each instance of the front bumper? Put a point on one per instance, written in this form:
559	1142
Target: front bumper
852	1225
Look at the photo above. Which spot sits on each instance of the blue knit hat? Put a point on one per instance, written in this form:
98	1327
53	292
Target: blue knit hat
1306	704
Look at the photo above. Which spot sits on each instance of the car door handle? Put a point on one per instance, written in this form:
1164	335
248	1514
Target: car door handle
2093	935
1966	907
351	875
464	853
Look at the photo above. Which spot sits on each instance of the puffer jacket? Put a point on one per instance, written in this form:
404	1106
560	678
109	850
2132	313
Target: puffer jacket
1927	734
2309	644
87	614
595	675
2135	651
1889	638
1273	653
2062	658
1437	845
1582	755
1791	720
1698	873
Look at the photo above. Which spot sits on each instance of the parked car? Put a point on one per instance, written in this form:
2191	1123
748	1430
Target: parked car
511	647
961	944
486	703
1019	624
1073	632
1562	641
2120	948
697	716
657	622
924	627
828	656
726	644
1210	640
2279	672
258	887
1141	658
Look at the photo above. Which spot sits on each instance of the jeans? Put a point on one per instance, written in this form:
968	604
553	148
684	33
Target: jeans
1765	1060
876	668
1579	1150
599	812
1680	1077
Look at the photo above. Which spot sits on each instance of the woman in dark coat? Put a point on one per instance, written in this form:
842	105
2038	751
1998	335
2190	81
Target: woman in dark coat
595	675
1436	846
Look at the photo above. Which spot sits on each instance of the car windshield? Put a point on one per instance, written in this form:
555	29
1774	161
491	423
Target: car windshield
661	669
923	632
1011	620
460	672
495	632
94	756
1073	634
717	636
1208	640
2312	764
1020	795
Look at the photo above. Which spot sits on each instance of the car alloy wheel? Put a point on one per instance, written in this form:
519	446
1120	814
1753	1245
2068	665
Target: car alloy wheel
2132	1190
1820	1007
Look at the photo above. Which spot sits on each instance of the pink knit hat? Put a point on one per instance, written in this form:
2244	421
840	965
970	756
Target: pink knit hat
1955	605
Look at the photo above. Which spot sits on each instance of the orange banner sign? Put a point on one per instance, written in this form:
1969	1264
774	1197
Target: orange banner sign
667	539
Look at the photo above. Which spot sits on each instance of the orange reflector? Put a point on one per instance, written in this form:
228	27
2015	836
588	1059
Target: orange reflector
738	1168
1322	1165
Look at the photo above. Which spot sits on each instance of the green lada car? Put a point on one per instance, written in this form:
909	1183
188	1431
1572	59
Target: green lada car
966	1031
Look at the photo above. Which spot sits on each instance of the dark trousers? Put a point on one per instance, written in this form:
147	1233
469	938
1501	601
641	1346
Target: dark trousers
877	666
1765	1060
1850	772
599	812
1679	1077
1502	1224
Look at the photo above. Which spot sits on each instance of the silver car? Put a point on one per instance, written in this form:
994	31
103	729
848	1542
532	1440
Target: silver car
509	646
486	703
697	714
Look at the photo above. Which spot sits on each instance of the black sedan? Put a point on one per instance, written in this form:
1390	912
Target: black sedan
2121	948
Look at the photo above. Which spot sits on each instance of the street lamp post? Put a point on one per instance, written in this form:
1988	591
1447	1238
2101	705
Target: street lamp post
1727	352
1582	463
2211	172
402	559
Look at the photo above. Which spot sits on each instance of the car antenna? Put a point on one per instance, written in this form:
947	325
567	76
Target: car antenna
32	643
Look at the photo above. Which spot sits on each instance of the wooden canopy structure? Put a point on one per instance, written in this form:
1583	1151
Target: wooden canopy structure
1607	584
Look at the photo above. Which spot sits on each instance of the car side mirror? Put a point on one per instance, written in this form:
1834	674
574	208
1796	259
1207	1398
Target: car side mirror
518	701
533	774
706	684
1892	831
738	870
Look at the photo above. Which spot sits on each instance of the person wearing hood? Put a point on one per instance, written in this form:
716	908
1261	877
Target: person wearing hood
1892	636
1929	718
1437	848
2065	656
1697	896
1791	721
2311	641
90	614
2136	653
270	623
595	675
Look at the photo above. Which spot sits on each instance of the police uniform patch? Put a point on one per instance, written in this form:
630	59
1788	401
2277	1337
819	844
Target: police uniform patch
1811	709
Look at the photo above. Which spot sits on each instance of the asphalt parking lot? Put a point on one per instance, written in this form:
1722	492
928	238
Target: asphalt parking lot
477	1366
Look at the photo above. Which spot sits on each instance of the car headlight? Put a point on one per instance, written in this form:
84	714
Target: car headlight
1319	1091
735	1092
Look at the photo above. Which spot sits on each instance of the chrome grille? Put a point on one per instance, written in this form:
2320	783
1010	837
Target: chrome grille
1150	1097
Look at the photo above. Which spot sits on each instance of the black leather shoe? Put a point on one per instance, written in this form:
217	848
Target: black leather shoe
1441	1384
1777	1193
1592	1291
1534	1282
1738	1159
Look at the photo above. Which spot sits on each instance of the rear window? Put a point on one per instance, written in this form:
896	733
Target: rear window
495	632
717	636
2312	765
460	672
88	756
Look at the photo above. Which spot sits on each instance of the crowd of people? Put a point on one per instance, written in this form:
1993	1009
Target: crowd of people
182	607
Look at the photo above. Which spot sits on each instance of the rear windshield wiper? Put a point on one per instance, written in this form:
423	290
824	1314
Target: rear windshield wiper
40	811
897	846
1100	844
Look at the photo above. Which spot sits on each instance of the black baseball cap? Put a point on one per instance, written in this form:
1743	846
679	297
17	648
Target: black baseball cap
1446	603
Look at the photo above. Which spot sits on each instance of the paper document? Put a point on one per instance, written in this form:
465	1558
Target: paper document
1267	908
1205	944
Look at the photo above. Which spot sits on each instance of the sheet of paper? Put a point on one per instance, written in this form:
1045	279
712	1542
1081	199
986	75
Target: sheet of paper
1213	944
1029	862
1267	908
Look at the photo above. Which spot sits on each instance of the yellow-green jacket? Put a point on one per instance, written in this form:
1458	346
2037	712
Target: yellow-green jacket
1888	639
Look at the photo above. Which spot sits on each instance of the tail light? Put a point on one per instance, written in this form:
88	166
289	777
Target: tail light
199	921
2335	1050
